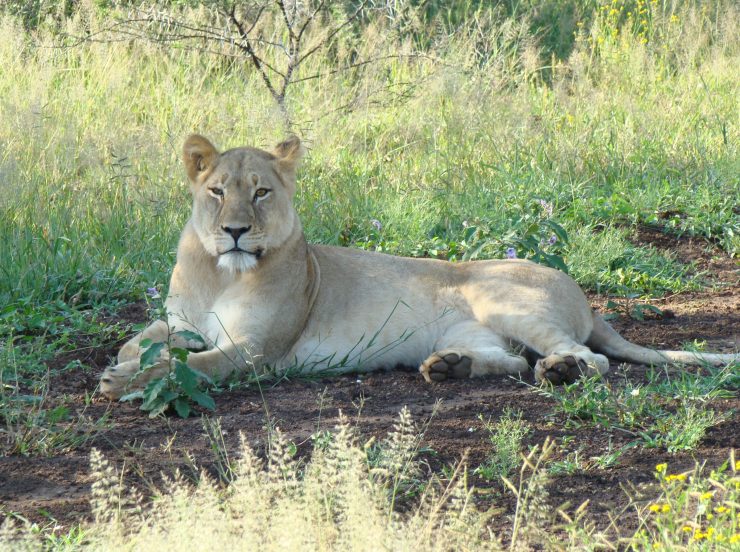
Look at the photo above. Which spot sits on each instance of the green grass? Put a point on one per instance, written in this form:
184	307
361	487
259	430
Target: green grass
670	411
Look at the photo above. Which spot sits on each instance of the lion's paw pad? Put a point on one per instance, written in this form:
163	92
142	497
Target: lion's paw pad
560	369
440	366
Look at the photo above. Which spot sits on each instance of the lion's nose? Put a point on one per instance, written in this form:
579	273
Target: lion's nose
236	233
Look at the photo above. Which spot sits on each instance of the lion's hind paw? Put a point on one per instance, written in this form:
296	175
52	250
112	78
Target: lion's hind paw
560	369
446	364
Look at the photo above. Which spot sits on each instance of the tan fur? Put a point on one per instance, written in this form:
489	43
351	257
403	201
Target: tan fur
284	304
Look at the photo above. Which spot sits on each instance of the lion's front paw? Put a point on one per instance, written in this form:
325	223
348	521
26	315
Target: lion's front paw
446	364
116	380
560	369
126	377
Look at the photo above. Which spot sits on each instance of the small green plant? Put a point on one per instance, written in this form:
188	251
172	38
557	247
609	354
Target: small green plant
707	384
572	463
505	436
631	308
682	430
611	457
180	387
532	235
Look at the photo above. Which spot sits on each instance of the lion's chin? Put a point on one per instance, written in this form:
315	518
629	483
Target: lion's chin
237	262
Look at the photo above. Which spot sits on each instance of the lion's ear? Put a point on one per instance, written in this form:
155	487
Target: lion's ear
288	155
198	154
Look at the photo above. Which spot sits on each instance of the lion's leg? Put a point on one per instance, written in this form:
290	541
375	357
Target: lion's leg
124	378
468	350
565	360
117	380
156	331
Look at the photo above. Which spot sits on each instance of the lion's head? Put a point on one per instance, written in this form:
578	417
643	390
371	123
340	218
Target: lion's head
242	199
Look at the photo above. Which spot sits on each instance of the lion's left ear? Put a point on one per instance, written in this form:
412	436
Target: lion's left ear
288	155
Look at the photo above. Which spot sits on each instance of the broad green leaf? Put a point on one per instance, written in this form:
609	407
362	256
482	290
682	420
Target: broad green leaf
132	396
152	391
556	261
191	336
182	407
168	395
158	409
179	353
200	375
185	378
150	355
204	400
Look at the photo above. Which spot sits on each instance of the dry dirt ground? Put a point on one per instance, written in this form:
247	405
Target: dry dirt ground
58	487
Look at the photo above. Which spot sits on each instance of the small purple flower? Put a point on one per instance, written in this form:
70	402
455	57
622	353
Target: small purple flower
376	224
546	206
152	292
511	253
553	239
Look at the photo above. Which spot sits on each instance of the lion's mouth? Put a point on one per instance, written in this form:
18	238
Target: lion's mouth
257	253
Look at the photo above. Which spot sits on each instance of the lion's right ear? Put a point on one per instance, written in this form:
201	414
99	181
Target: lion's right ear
198	154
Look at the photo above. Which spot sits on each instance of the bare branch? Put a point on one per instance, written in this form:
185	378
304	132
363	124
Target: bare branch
334	32
256	60
256	19
286	18
309	19
357	64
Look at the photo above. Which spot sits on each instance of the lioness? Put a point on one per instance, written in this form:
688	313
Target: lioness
260	296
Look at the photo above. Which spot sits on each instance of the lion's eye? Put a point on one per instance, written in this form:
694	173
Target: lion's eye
262	192
216	191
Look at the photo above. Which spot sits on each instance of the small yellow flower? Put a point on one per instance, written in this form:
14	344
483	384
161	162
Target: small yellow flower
721	509
660	468
737	465
706	496
709	533
655	508
675	476
687	529
698	535
735	538
710	517
665	508
674	19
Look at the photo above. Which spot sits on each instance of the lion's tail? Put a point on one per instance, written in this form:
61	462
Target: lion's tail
604	339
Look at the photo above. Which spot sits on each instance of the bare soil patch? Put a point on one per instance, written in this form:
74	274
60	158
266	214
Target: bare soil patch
40	488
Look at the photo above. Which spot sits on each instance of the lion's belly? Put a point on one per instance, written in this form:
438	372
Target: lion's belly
338	352
369	341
